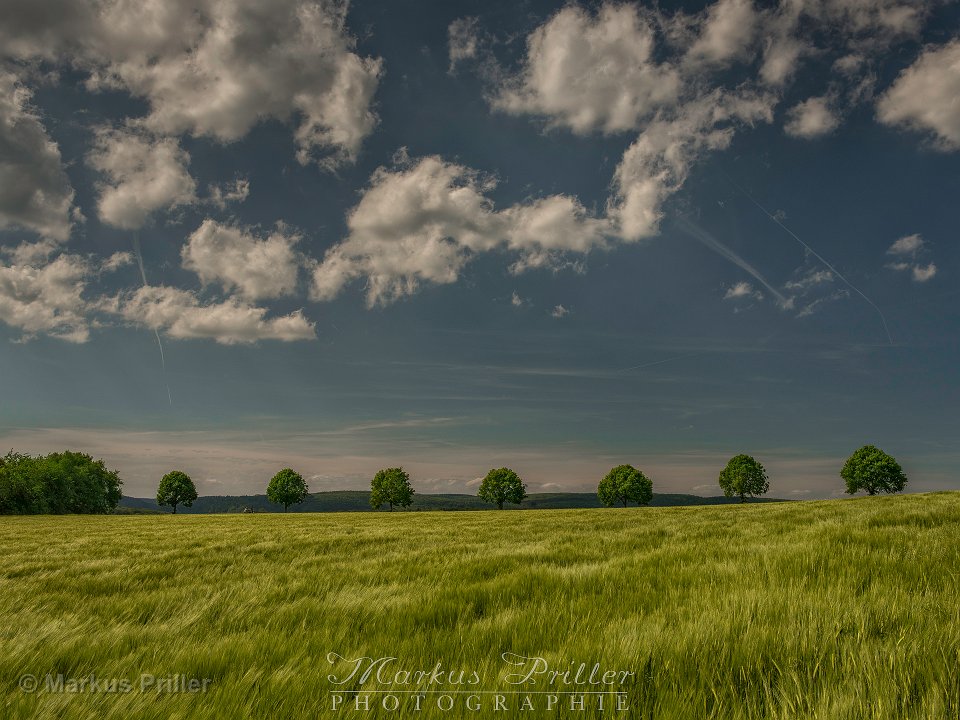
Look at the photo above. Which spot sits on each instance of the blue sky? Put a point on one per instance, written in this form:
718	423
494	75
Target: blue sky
455	236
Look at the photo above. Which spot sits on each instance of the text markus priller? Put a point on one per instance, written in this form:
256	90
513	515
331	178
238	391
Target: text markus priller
523	683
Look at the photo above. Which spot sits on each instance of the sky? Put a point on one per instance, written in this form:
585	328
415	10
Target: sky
237	236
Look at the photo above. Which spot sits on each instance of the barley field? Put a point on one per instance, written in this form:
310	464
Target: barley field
830	609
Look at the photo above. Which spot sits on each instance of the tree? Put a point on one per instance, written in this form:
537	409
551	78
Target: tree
625	483
502	485
287	488
65	482
871	469
744	476
391	486
176	488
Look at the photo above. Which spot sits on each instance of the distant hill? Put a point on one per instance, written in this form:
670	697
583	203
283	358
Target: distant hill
359	501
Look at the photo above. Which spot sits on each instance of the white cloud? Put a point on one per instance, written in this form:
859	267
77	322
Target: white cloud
907	245
811	279
559	311
591	72
911	247
35	193
216	68
117	261
235	258
727	33
742	290
39	296
811	118
424	221
179	314
516	300
144	174
224	194
657	164
462	40
922	274
924	96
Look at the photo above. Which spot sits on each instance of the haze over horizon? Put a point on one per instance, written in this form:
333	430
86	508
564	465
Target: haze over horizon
460	235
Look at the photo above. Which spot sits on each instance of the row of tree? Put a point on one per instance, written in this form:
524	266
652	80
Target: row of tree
869	469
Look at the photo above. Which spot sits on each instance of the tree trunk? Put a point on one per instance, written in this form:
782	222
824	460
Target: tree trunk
284	507
174	508
391	507
624	502
500	505
743	498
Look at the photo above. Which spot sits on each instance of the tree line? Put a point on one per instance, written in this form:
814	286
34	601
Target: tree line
71	482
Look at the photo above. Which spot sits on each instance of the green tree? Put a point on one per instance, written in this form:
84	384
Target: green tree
287	488
625	483
391	486
871	469
502	485
65	482
176	488
744	476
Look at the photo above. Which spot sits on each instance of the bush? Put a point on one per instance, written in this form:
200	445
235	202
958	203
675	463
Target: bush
65	482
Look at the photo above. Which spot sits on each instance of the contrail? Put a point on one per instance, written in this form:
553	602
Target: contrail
666	360
718	247
143	276
817	256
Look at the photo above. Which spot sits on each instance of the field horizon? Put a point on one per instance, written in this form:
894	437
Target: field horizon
359	501
810	609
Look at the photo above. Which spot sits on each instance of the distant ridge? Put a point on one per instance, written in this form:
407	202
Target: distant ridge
359	501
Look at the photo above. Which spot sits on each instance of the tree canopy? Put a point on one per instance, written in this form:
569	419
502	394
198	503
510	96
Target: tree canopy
287	488
176	488
391	486
624	484
871	469
63	482
744	477
502	485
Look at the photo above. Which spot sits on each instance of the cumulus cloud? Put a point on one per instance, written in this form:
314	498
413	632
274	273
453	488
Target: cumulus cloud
180	315
35	193
589	72
423	221
924	96
657	164
922	273
909	249
726	34
116	261
237	259
38	296
742	290
907	245
559	311
143	175
216	68
462	41
811	118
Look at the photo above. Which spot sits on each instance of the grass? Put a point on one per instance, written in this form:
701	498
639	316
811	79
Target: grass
832	609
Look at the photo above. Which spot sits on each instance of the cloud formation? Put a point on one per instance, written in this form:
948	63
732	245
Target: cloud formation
40	296
924	96
35	193
236	259
143	174
181	315
423	221
215	68
811	118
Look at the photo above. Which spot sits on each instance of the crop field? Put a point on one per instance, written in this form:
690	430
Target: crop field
832	609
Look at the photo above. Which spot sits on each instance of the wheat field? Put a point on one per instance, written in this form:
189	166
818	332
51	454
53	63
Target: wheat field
828	609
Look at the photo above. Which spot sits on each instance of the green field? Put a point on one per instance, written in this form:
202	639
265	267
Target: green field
833	609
